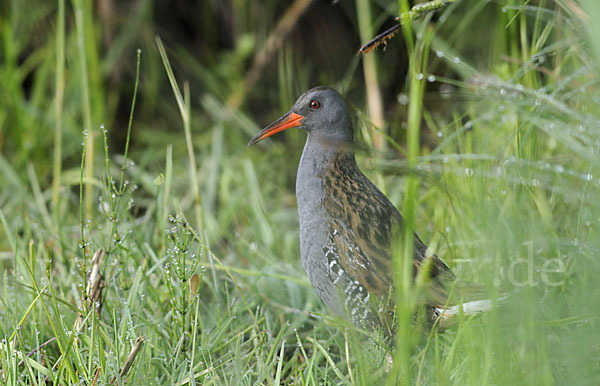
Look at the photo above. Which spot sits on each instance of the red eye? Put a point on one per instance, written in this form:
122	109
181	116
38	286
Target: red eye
315	105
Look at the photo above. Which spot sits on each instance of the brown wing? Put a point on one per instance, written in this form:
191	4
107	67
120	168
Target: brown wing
364	224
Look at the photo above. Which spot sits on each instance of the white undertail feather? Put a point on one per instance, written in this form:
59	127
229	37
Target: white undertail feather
468	308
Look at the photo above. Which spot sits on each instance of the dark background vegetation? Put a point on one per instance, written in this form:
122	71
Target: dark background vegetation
213	45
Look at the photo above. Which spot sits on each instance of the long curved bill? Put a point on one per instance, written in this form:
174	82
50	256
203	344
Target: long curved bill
289	120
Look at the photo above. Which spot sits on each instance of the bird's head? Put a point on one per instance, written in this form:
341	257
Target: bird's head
321	111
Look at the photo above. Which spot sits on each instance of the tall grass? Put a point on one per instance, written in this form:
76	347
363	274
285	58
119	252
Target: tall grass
492	158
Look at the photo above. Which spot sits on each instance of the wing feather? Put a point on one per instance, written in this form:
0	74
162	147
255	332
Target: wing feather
363	225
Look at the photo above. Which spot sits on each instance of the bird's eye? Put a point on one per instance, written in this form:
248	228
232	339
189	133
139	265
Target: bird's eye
315	105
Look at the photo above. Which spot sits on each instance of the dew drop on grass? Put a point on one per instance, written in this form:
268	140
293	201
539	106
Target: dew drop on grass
468	172
431	78
440	134
420	76
589	177
403	99
439	53
456	59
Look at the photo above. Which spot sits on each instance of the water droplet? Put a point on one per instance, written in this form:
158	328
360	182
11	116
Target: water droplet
403	99
468	172
431	78
420	76
439	53
456	59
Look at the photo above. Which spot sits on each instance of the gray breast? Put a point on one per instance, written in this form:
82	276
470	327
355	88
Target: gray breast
314	228
319	254
313	242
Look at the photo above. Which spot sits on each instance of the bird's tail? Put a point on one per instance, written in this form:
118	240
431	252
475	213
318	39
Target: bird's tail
446	315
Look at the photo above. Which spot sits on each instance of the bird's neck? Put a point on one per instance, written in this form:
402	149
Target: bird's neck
321	154
321	159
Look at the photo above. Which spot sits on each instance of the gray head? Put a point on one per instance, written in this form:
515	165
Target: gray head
321	111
